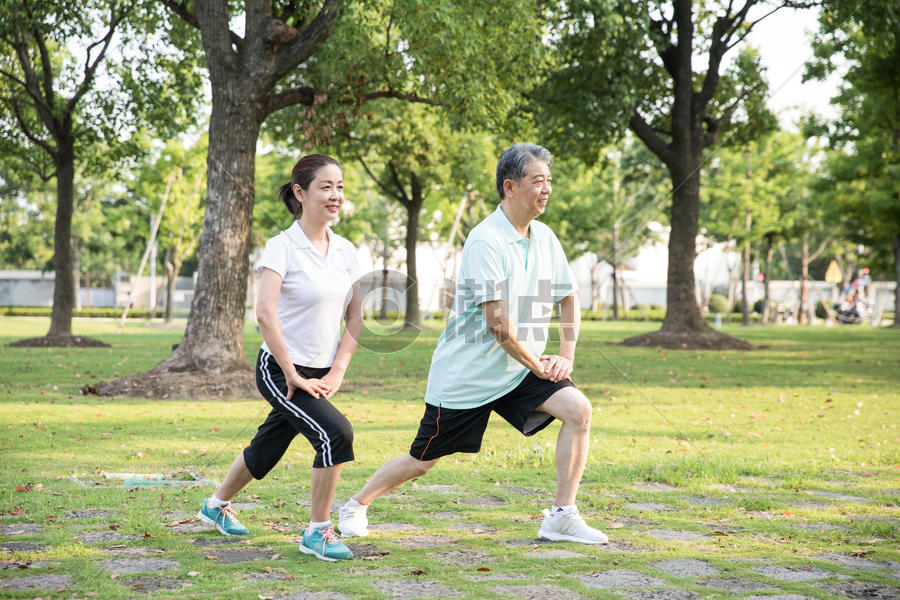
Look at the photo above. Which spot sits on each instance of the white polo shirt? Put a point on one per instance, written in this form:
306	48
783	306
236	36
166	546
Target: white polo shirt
315	292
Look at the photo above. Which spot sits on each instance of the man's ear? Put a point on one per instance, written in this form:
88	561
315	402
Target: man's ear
508	187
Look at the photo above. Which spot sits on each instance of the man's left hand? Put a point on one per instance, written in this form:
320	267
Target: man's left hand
557	367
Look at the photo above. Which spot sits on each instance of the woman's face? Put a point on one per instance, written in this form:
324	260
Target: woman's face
323	199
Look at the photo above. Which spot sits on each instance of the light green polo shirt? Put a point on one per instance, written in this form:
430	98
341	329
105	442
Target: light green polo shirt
468	367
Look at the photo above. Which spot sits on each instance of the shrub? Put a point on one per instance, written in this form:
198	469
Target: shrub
758	306
820	311
718	304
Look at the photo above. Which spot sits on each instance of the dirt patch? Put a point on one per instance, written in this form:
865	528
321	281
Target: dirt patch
536	592
667	594
484	502
794	574
20	529
686	567
862	589
217	541
688	340
86	513
150	585
389	527
619	578
230	556
426	541
36	582
367	551
22	546
407	590
59	341
139	565
234	383
736	585
671	535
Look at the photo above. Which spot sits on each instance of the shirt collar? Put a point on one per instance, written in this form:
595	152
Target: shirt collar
506	228
299	239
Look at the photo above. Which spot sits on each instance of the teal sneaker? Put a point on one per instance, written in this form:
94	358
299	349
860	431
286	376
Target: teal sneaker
222	518
325	544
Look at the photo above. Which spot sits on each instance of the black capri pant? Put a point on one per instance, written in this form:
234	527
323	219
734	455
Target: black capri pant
329	431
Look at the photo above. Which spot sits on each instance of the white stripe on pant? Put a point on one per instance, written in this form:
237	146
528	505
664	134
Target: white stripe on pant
297	412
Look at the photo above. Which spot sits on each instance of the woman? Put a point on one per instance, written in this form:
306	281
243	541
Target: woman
307	288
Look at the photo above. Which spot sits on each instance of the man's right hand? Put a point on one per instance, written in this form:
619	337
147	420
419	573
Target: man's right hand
313	387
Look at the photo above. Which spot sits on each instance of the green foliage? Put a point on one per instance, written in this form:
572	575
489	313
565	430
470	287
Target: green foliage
94	313
102	97
861	186
605	67
718	304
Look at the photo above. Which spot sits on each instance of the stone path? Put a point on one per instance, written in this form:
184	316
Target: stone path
751	539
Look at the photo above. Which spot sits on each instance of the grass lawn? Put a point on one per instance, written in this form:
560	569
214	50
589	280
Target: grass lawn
784	457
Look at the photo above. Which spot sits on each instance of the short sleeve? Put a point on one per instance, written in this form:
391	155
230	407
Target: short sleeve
482	274
274	256
564	283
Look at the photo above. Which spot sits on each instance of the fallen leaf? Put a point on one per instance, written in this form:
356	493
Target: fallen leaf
267	569
417	572
482	569
719	532
193	573
265	596
21	488
212	557
615	526
114	576
16	532
147	535
276	556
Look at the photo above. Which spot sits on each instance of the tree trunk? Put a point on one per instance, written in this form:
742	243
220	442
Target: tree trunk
413	318
171	274
745	271
615	271
804	287
682	312
213	339
63	287
897	289
766	278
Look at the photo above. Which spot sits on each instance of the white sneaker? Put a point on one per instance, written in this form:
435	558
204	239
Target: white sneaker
569	527
353	521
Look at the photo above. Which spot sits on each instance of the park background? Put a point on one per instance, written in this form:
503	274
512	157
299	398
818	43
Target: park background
759	446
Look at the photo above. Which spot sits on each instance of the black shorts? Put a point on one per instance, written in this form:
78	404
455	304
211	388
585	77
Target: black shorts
444	431
326	428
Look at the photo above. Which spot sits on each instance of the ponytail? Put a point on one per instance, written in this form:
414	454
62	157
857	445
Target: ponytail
286	192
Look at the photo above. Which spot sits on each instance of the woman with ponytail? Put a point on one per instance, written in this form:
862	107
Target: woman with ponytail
308	287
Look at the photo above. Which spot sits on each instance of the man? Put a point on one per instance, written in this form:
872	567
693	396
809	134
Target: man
489	357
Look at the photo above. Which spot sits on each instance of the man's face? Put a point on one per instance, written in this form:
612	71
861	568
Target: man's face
531	193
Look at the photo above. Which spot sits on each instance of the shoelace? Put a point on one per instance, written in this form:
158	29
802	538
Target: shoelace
328	535
226	511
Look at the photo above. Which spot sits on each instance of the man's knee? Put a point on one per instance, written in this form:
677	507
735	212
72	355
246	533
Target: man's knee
418	468
577	409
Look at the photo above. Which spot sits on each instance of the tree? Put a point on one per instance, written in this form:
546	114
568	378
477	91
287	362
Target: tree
622	64
294	54
863	170
67	103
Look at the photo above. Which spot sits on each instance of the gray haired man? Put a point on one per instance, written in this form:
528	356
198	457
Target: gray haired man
490	356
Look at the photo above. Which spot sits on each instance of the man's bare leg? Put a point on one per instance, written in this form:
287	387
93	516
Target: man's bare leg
392	475
387	478
574	410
